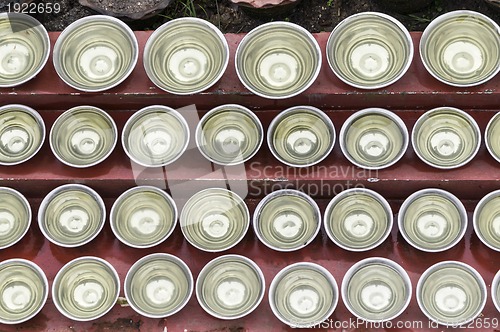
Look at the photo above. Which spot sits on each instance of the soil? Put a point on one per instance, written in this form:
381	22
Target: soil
314	15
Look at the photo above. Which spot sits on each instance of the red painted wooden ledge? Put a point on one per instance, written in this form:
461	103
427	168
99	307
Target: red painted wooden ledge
416	92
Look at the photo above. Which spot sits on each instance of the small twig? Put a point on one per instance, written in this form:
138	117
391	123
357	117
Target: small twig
339	8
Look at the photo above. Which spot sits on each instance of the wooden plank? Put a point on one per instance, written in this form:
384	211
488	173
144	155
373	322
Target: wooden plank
417	89
192	318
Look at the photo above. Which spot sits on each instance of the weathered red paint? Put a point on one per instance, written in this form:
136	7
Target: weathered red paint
263	172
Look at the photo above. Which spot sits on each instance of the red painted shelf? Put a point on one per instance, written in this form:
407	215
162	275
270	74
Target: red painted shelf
410	97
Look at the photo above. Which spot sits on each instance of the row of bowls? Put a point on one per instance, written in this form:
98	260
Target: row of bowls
216	219
98	65
229	287
300	136
276	60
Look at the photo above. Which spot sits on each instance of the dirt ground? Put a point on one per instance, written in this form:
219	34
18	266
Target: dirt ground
314	15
